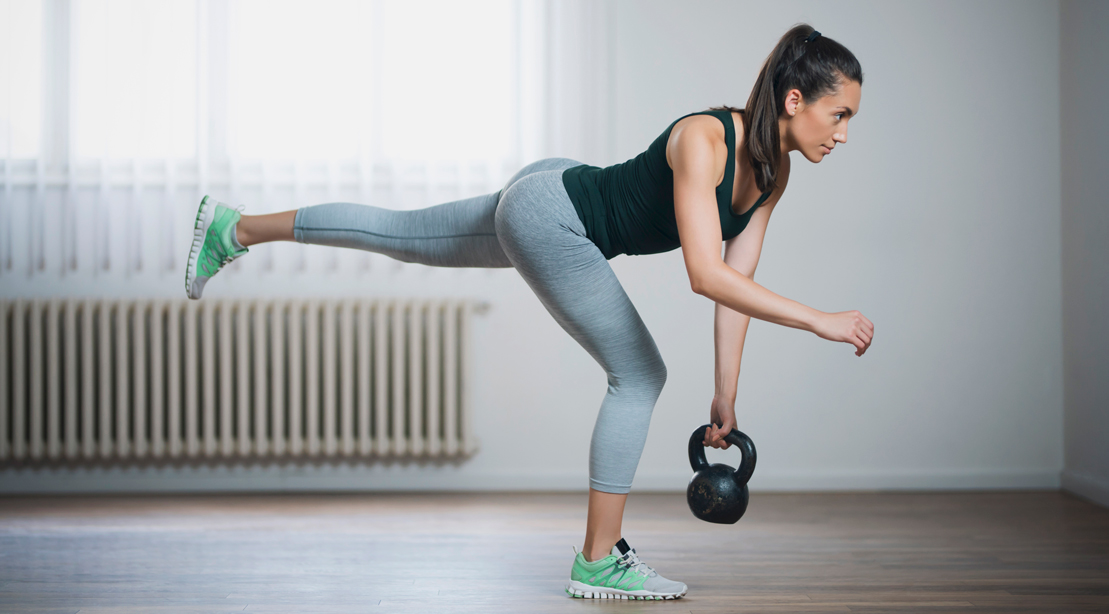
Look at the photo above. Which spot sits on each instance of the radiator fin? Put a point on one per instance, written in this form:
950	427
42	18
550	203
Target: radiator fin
137	380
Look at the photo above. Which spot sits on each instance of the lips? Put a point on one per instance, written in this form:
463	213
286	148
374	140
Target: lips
828	149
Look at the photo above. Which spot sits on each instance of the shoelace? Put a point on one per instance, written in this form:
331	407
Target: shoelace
632	562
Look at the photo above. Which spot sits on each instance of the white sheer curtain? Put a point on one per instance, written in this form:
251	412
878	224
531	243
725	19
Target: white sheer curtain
117	115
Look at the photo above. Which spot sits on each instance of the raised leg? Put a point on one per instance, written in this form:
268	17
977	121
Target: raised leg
454	234
254	229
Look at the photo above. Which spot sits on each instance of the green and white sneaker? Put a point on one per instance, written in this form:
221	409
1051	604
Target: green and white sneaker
214	244
620	575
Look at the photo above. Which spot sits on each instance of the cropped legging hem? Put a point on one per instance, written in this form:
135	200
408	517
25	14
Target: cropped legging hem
531	225
615	489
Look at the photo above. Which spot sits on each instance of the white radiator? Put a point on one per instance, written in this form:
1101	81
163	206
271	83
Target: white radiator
139	380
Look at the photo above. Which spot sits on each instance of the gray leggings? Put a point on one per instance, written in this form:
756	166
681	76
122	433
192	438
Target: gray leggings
531	225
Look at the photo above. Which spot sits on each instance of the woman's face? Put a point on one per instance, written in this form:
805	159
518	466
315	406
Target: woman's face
814	129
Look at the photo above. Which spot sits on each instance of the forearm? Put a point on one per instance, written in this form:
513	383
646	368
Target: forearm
730	288
730	331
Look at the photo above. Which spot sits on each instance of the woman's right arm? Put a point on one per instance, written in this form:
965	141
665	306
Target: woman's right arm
697	158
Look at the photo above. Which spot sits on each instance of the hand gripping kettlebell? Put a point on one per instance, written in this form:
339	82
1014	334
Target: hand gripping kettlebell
716	492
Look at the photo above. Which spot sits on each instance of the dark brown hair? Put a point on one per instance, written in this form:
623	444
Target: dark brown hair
816	68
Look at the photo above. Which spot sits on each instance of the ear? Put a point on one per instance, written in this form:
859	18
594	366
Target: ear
793	102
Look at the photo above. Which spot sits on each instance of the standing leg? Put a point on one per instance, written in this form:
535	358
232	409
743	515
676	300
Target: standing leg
603	523
542	235
546	242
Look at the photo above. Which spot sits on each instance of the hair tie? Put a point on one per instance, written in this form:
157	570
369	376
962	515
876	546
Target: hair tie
809	39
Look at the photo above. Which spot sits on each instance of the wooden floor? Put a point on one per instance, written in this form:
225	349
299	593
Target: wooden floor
981	552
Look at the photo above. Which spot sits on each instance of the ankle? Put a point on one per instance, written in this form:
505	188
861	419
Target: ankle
597	550
239	234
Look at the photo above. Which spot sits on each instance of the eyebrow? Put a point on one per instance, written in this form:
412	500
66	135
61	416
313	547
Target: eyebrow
849	111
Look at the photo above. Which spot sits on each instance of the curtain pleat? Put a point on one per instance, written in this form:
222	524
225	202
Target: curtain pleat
114	131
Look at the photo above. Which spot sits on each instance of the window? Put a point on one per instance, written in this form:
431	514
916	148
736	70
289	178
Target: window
20	77
293	80
262	80
134	79
116	115
440	88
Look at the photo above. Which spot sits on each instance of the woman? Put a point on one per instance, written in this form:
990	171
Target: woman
706	179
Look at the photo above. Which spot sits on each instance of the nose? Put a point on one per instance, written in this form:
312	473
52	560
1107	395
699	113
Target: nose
840	137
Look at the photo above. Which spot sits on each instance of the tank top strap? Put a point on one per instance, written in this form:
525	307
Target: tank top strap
725	117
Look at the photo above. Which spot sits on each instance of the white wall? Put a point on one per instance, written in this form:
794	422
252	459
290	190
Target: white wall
1085	219
939	220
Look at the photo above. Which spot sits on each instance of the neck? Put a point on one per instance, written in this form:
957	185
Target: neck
784	138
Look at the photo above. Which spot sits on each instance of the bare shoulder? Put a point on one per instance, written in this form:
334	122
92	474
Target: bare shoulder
695	131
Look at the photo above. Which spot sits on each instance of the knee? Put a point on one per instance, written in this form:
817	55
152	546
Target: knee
654	368
657	374
648	376
661	373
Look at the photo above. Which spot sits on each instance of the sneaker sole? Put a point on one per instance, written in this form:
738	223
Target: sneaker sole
580	590
204	216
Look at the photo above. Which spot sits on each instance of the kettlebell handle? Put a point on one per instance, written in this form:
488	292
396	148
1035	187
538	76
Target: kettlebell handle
736	438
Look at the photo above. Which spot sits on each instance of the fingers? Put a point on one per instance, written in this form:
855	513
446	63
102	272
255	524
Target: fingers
714	437
863	333
861	344
718	437
709	435
868	327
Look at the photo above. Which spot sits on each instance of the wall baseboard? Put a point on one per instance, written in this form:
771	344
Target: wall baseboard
1086	486
340	476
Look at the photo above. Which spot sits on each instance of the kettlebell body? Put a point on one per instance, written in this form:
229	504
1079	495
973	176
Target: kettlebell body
717	493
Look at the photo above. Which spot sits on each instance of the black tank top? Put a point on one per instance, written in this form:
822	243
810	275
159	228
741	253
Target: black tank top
628	208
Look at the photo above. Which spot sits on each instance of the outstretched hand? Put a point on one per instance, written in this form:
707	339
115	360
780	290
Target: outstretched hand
722	419
846	326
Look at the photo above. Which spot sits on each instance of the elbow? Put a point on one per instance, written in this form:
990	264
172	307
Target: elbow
709	280
701	284
696	287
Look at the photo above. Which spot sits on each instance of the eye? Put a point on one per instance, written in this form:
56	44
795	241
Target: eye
839	116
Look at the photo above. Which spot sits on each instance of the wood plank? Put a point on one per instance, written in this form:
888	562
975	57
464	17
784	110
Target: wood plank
503	552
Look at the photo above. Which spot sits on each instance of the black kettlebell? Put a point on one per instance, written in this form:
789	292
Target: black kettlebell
717	493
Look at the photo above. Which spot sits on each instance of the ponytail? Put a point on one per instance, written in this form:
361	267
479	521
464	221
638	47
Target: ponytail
802	60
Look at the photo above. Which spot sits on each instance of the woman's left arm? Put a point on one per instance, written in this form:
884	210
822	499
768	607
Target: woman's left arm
730	327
